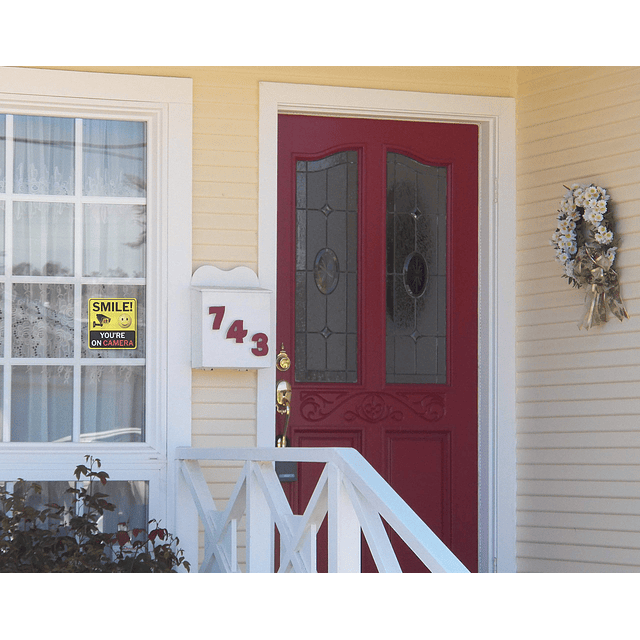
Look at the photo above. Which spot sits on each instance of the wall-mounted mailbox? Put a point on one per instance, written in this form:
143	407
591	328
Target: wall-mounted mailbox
231	320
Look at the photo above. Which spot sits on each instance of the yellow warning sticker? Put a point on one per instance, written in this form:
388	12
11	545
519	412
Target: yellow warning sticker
113	323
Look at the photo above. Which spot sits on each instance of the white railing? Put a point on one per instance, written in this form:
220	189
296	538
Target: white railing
350	493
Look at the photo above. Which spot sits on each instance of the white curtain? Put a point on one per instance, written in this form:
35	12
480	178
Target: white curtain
112	404
44	245
41	403
114	158
44	156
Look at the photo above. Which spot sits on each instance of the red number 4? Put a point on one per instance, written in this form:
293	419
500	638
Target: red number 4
237	332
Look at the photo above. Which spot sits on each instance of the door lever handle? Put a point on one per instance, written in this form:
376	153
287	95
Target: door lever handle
283	406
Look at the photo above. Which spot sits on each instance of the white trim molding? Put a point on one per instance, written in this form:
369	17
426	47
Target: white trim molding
495	118
165	105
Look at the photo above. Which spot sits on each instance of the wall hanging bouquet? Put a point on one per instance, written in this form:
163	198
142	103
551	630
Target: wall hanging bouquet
586	246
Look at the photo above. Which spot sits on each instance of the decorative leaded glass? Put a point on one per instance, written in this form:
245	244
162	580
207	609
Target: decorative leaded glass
326	269
416	271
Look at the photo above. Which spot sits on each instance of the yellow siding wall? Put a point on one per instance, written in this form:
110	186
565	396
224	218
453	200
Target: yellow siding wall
578	392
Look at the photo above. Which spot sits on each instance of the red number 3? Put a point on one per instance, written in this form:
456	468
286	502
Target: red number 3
261	348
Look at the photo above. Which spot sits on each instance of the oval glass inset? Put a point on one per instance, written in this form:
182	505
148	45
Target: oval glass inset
326	271
415	274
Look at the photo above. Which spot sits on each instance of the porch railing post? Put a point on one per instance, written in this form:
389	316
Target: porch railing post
344	546
260	525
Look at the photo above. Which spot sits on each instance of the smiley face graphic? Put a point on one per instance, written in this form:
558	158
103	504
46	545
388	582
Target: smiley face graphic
124	320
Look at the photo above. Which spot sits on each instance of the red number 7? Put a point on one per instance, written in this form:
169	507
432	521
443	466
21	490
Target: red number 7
218	314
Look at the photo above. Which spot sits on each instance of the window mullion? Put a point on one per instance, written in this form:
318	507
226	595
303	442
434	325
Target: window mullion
8	288
77	323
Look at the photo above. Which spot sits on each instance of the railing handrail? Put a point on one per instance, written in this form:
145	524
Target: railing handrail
379	494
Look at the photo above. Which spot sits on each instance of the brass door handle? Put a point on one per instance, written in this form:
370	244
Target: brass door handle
283	405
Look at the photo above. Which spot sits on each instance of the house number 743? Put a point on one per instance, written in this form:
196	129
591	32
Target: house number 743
237	332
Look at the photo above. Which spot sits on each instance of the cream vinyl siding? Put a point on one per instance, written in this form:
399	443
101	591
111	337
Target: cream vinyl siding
578	396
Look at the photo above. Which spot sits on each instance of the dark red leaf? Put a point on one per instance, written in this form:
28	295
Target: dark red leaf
122	537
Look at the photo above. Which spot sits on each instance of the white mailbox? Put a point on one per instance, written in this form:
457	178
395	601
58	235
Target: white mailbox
231	320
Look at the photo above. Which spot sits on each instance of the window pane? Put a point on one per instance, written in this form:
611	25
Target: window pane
114	158
42	320
113	404
52	492
416	271
2	247
115	240
131	499
41	403
43	155
42	239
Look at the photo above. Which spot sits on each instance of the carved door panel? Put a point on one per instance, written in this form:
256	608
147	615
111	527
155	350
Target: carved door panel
377	307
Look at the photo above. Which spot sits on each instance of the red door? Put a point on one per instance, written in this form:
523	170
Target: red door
377	308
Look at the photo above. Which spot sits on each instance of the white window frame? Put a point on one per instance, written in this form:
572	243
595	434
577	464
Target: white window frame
165	104
495	118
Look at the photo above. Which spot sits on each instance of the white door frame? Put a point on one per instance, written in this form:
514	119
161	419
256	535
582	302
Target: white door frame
495	118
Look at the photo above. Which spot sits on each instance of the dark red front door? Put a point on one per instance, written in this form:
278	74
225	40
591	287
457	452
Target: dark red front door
377	307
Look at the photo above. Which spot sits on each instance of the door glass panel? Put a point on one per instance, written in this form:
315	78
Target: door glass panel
416	271
326	269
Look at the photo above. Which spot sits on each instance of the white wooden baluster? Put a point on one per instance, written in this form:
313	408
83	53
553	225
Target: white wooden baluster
344	529
260	531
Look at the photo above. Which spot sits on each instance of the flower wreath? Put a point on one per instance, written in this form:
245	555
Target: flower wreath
586	246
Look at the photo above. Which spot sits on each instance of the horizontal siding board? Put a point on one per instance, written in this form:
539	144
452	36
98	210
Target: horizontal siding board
209	142
579	359
583	473
580	504
621	455
215	440
576	536
225	190
609	80
213	206
605	408
594	521
600	390
565	424
588	376
202	426
537	565
593	340
217	222
587	488
581	553
228	410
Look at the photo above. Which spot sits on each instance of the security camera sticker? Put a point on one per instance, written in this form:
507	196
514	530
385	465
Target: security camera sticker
113	323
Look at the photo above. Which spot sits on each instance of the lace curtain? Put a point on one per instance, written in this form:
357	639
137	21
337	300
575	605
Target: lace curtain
44	244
